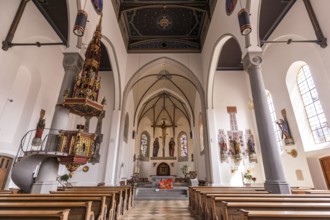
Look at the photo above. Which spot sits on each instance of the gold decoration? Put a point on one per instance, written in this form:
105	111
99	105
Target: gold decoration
87	86
293	153
85	169
71	167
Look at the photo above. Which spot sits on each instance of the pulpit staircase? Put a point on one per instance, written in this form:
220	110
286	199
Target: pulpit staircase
29	158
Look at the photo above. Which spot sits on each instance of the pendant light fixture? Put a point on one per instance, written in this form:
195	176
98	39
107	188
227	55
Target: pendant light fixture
244	21
80	24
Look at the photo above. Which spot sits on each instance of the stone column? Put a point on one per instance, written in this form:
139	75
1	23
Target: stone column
46	179
72	64
275	179
112	152
213	151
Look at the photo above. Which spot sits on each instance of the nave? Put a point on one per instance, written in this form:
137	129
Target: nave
160	210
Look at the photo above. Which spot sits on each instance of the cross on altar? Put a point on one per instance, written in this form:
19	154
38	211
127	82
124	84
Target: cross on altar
163	136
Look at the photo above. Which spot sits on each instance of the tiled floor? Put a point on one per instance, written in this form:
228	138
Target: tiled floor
160	210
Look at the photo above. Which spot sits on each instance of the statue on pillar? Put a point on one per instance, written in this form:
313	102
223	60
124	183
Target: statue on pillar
155	148
40	129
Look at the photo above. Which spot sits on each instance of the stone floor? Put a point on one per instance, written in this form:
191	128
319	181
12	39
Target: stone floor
160	210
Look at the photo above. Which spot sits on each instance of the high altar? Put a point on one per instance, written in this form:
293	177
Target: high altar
157	179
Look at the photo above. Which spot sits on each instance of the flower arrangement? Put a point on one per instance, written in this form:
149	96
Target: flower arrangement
248	177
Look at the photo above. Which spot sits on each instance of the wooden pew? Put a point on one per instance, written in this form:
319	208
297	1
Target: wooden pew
99	206
212	206
78	210
128	191
283	215
195	193
230	210
200	197
113	200
37	214
127	194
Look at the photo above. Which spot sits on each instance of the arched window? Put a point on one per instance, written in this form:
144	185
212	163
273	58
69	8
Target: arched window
313	109
183	146
144	146
274	120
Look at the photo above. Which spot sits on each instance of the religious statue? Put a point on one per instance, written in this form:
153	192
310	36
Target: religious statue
237	148
156	148
251	146
163	126
284	126
40	128
171	147
223	148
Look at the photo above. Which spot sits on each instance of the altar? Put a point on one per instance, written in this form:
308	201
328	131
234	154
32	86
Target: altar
156	179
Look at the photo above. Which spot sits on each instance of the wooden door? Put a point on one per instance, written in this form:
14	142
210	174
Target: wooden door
5	164
325	163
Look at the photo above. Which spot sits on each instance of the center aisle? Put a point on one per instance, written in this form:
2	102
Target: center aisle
160	210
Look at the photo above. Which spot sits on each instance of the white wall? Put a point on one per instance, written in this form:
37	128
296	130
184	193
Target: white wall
277	61
231	88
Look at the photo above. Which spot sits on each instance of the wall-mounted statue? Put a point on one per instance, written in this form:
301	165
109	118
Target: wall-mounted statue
171	146
40	129
155	147
284	126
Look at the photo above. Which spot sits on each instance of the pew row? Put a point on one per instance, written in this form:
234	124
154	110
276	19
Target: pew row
99	206
128	193
214	203
200	197
230	210
113	200
284	215
193	191
35	214
78	210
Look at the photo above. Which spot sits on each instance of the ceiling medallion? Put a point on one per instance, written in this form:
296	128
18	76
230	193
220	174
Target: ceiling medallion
230	6
165	22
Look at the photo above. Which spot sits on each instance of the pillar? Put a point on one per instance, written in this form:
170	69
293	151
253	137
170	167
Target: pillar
213	150
275	179
46	179
113	166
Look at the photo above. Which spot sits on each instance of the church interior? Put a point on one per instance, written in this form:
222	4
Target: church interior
221	93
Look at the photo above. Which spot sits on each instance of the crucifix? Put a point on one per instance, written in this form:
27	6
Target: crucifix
163	136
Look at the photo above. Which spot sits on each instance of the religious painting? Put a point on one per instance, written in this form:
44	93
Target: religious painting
144	146
230	6
98	5
183	146
222	141
236	143
284	126
251	150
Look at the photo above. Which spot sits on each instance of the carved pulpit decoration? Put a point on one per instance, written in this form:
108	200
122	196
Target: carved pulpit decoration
82	99
235	136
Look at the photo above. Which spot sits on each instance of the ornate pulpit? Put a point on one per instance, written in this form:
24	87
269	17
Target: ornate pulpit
81	146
